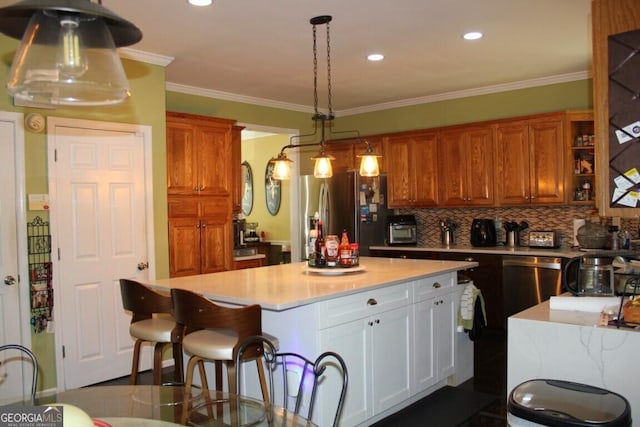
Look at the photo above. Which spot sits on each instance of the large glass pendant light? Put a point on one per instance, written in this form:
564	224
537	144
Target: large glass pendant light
67	55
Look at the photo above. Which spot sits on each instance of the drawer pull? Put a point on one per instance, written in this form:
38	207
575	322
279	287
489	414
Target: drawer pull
437	285
372	301
469	259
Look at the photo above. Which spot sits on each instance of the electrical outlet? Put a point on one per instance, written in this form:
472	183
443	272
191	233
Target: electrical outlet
51	327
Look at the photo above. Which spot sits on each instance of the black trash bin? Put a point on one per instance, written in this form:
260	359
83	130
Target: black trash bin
544	402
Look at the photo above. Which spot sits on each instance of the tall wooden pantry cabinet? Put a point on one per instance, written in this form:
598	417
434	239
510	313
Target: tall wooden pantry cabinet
202	153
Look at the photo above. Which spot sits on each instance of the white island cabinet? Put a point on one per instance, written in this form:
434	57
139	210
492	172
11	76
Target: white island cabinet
393	323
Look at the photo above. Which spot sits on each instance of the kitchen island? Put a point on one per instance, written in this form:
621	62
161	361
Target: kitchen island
394	322
568	345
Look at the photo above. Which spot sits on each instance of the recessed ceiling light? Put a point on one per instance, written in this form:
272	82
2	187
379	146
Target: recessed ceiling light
473	35
200	2
375	57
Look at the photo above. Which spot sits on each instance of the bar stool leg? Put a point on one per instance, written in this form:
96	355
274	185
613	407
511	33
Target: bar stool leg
178	373
157	363
263	381
134	363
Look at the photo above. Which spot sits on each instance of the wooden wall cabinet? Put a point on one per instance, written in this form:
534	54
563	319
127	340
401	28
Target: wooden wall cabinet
202	195
411	162
200	238
199	155
465	167
529	161
580	146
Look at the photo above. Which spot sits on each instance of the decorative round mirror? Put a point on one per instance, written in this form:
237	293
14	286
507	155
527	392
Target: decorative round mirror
272	190
247	192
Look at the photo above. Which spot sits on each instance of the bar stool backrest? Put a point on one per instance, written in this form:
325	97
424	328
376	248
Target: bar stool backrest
142	301
296	378
7	363
195	312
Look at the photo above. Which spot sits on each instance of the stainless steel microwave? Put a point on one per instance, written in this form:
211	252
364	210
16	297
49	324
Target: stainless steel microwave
401	230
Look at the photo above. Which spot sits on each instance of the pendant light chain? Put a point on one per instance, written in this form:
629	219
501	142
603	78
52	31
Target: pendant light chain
329	73
321	20
315	74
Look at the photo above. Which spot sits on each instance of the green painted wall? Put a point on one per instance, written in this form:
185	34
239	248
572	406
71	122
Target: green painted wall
257	152
556	97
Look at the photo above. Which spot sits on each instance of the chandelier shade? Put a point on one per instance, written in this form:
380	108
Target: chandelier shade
67	54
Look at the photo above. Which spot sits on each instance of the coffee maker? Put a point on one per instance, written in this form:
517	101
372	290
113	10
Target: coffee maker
591	274
483	232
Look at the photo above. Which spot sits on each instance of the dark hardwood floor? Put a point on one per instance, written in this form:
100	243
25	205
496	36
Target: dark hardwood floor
481	401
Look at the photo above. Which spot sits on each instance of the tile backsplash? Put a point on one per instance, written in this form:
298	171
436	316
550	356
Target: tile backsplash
559	218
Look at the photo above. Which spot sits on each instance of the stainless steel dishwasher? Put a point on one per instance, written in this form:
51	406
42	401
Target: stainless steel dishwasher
529	280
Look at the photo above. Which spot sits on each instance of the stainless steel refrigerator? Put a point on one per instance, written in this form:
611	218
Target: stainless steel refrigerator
345	201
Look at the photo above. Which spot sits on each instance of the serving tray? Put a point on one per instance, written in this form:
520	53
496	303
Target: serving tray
333	271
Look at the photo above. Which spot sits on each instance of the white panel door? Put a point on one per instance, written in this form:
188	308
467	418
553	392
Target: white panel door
14	294
99	222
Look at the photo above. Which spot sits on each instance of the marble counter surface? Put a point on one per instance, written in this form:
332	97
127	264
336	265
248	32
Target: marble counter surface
286	286
568	345
497	250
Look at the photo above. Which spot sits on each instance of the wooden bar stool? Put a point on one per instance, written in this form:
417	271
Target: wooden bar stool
146	326
213	333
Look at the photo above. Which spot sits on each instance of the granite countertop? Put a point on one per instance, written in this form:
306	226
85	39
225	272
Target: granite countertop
497	250
544	313
285	286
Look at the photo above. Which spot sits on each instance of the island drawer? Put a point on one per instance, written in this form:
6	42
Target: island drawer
424	289
363	304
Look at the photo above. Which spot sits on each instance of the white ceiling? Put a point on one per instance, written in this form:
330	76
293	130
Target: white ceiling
261	51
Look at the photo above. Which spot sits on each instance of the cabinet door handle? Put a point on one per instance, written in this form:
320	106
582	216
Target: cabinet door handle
436	285
372	301
370	323
469	259
377	321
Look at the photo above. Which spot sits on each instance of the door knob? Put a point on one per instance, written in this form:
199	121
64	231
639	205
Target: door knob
143	266
9	280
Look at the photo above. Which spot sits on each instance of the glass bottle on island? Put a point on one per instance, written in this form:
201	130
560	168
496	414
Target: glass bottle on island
344	250
319	256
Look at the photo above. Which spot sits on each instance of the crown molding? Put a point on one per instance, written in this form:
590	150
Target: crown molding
227	96
142	56
486	90
504	87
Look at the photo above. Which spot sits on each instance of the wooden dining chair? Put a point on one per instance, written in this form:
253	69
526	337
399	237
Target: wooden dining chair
151	321
10	353
295	377
212	332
